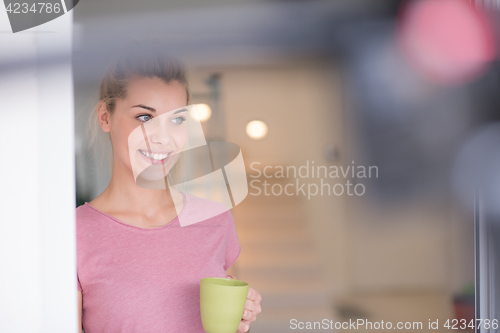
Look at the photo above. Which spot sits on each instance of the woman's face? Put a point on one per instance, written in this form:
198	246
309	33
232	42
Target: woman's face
148	128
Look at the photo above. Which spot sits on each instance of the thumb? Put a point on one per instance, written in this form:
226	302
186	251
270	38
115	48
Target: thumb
230	277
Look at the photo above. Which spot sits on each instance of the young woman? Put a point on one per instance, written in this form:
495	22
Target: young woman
138	268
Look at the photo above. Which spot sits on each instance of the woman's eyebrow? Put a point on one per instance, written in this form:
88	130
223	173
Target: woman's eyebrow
144	107
181	110
153	110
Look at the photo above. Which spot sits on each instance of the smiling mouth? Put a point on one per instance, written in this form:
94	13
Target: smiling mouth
154	156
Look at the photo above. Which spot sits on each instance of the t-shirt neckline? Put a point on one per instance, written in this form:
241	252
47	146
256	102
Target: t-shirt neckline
185	203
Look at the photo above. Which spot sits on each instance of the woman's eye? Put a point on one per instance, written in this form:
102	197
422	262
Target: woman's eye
179	120
144	117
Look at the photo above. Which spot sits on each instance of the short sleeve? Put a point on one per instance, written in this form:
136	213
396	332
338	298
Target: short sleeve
233	247
79	286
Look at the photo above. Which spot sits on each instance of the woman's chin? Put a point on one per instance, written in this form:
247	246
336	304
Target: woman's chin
152	176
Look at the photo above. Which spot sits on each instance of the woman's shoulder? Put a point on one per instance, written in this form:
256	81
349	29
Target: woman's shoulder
83	210
85	219
86	214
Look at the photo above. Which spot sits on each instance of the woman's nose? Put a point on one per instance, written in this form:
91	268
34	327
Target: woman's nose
159	133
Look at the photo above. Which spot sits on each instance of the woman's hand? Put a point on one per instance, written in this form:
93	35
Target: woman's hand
252	308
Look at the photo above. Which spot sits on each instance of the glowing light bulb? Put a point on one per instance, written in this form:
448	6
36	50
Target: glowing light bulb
256	129
203	112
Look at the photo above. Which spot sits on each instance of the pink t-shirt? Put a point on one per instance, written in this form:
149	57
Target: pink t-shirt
136	280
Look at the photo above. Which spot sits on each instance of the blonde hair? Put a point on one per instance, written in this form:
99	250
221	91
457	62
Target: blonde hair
145	58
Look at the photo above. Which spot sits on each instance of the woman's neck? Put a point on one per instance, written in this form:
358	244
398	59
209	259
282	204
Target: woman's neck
124	195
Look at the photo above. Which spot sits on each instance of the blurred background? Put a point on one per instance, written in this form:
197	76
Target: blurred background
408	88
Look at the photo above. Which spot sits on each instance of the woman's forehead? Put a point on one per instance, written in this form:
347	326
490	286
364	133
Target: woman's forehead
156	94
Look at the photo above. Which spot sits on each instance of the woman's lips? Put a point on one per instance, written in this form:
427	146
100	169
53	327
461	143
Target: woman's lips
154	157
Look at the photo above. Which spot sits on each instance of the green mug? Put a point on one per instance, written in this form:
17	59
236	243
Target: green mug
222	302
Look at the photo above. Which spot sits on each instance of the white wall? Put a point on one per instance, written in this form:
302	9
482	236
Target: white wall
37	222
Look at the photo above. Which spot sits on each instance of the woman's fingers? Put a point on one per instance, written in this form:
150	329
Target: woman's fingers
249	315
253	306
253	301
254	295
244	326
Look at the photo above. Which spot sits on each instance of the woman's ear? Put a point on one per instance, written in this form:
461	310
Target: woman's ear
103	116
